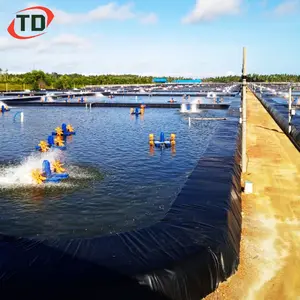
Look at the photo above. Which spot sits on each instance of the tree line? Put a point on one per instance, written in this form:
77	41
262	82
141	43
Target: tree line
38	79
257	78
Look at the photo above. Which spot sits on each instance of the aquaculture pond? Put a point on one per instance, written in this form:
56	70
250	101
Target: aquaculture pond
147	99
117	182
281	105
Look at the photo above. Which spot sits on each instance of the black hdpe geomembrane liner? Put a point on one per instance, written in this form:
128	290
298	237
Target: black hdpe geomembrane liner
183	257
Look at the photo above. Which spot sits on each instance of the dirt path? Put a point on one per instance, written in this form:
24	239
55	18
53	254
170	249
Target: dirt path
270	245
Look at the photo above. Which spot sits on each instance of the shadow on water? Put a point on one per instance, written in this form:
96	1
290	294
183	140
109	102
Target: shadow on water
52	273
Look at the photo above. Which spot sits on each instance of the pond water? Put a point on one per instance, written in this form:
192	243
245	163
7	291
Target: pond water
116	181
147	99
281	105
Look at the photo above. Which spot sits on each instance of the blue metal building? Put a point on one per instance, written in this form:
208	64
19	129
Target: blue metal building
159	80
187	81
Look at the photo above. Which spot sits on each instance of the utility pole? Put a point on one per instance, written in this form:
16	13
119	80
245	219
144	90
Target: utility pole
244	116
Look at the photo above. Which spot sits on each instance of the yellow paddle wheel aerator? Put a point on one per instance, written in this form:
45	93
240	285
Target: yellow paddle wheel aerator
44	146
59	141
37	176
58	167
70	128
59	131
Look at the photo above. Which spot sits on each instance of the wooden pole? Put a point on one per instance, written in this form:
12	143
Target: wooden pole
290	109
244	115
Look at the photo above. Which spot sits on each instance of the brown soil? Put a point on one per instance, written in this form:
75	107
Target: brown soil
270	246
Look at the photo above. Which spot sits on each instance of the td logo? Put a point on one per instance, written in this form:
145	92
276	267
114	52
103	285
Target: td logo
33	19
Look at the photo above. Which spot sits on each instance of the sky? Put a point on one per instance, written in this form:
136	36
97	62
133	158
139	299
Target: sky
191	38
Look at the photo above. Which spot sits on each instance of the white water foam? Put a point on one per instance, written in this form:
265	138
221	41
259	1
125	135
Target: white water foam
193	107
99	95
4	104
79	173
12	175
49	99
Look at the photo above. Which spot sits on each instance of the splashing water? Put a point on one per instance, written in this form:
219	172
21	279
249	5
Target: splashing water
21	174
3	104
99	95
16	178
193	107
47	99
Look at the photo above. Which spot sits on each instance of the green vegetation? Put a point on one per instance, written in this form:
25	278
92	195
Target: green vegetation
257	78
37	79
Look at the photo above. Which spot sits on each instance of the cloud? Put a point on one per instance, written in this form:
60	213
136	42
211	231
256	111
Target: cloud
151	18
39	45
69	40
8	43
109	11
65	41
207	10
287	7
112	11
230	73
